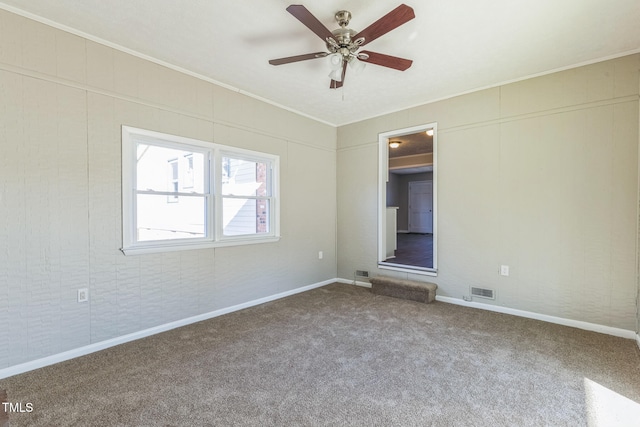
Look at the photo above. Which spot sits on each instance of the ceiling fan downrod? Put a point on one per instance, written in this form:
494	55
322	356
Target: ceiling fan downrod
342	41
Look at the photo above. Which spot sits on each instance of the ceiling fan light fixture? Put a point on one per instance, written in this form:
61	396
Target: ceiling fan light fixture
336	75
335	60
394	144
356	65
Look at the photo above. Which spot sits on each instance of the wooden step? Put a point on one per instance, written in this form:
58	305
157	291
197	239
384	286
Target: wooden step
406	289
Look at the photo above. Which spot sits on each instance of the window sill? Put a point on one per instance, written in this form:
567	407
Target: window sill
153	249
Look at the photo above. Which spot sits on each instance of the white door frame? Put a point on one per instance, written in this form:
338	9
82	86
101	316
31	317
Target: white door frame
383	177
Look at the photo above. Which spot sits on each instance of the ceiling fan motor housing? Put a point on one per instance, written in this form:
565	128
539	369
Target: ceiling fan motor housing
344	37
344	41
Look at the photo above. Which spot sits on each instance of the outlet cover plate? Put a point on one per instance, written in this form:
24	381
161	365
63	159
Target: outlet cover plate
83	295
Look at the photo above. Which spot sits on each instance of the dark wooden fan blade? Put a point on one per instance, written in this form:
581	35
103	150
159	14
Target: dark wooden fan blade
338	84
297	58
304	16
387	60
390	21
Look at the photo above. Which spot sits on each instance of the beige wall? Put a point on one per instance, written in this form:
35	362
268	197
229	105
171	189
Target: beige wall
540	175
63	100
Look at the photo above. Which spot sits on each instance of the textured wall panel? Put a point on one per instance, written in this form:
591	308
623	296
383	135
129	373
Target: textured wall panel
542	177
38	47
45	205
71	57
312	218
257	270
10	38
61	195
231	107
13	266
357	175
104	220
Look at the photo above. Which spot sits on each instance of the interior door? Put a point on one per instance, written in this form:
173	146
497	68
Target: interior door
421	207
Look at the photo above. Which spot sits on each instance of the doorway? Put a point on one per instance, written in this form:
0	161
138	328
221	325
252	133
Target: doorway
407	226
421	207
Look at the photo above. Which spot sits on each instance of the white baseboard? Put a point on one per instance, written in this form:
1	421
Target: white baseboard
92	348
354	282
618	332
638	339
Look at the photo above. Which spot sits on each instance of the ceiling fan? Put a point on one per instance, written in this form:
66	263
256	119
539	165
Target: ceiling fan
343	43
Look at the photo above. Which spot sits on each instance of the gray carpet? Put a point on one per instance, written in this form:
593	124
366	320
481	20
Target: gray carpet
337	355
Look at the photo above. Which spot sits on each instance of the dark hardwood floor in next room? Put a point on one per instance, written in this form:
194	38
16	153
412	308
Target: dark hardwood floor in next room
414	249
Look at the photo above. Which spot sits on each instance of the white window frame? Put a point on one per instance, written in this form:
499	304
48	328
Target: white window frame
212	194
250	156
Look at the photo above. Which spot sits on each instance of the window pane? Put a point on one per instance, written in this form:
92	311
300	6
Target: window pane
245	178
188	178
245	216
160	219
169	169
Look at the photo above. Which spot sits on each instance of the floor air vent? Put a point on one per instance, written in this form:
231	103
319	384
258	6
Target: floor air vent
483	293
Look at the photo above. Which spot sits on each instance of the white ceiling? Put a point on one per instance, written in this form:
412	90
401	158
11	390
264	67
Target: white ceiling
456	46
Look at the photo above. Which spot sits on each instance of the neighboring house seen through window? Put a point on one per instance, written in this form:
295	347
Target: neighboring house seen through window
181	193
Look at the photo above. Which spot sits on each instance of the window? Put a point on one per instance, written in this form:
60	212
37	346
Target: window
246	195
181	193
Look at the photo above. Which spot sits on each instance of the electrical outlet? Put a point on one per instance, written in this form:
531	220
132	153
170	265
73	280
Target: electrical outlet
504	270
83	295
320	255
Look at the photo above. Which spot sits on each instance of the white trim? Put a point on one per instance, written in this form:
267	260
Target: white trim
145	102
354	282
92	348
169	65
195	245
498	121
213	154
411	270
496	85
618	332
383	177
417	159
103	42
